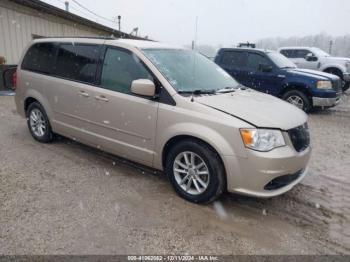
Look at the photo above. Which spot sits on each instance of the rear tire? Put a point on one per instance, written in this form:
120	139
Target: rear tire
38	123
299	99
195	171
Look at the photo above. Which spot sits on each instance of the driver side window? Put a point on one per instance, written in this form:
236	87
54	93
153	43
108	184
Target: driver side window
255	61
302	53
120	68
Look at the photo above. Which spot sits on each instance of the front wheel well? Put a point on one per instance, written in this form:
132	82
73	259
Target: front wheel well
334	71
303	89
177	139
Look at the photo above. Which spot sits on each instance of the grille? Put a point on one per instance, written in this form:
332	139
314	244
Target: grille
282	181
300	137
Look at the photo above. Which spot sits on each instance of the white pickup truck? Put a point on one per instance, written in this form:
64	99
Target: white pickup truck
316	59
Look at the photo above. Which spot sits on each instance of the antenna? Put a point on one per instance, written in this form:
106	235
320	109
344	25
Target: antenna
194	47
195	34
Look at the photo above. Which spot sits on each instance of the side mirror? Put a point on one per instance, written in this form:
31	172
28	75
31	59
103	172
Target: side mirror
310	57
143	87
265	68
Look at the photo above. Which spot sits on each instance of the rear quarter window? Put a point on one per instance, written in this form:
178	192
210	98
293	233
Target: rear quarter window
39	58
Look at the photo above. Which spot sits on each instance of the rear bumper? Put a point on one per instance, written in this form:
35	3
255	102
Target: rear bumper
326	101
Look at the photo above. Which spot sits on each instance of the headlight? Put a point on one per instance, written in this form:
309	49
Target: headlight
262	139
324	84
347	64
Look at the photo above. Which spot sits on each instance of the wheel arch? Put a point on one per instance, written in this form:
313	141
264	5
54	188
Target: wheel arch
176	139
303	88
28	101
333	70
34	96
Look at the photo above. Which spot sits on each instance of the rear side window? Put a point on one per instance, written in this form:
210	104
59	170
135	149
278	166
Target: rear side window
39	58
120	68
77	62
233	58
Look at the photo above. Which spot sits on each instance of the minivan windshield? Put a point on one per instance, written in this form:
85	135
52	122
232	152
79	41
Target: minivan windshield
280	60
189	71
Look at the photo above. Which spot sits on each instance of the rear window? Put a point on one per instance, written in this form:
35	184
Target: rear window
39	58
77	62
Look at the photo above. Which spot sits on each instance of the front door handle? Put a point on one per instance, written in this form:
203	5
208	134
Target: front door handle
83	93
102	98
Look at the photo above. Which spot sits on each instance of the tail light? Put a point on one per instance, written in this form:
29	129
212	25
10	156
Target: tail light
14	80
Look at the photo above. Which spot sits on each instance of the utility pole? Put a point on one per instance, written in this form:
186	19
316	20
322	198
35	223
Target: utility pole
330	47
119	18
66	3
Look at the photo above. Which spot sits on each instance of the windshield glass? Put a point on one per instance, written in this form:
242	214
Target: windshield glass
189	71
319	52
280	60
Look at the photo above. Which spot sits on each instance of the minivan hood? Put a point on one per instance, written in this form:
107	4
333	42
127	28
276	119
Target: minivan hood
258	109
315	74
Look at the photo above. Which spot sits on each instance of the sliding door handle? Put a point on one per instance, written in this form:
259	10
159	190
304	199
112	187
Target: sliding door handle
83	93
102	98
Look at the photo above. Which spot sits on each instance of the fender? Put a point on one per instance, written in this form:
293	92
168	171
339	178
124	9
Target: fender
295	85
204	133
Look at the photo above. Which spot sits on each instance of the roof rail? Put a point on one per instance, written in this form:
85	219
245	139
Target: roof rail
83	37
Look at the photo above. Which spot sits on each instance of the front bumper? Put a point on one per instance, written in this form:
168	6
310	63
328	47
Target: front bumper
326	101
346	77
253	174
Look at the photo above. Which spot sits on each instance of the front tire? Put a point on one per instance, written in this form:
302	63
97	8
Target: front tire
195	171
338	73
38	123
346	86
299	99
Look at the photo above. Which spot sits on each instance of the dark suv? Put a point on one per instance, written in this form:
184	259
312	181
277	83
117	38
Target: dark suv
272	73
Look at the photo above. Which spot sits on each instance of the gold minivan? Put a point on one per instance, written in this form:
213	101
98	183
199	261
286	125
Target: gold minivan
165	107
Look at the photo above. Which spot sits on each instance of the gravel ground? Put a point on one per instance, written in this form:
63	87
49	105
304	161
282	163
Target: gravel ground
66	198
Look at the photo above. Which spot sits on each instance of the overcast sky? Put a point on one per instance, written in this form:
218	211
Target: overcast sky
222	21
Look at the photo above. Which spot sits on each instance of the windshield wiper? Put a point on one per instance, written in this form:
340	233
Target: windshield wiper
287	67
228	89
196	92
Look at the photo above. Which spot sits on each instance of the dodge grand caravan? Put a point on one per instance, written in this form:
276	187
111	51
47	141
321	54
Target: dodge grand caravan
165	107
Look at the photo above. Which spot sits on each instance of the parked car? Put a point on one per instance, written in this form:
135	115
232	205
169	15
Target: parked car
165	107
8	77
317	59
272	73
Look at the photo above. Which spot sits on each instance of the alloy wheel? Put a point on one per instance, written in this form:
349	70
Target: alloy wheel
191	173
296	100
37	122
